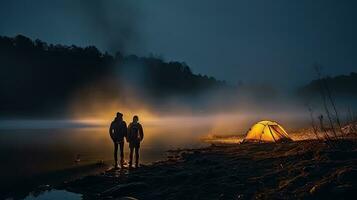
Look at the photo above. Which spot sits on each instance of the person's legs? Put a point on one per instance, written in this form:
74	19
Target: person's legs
131	155
115	154
121	153
137	156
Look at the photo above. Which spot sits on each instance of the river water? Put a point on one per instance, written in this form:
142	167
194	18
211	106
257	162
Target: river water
29	148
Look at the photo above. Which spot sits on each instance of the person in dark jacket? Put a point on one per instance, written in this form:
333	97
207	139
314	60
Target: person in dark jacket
135	136
118	131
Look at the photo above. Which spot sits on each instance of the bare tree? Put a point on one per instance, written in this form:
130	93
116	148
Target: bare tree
323	95
313	122
332	102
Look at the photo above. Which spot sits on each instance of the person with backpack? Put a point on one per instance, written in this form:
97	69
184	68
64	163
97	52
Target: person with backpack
135	136
118	131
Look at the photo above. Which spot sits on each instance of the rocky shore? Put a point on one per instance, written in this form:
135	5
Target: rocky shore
304	169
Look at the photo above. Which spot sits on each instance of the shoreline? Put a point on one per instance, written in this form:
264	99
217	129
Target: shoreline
303	169
300	169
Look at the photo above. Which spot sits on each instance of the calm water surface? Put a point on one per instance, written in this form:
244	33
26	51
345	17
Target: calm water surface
55	195
30	148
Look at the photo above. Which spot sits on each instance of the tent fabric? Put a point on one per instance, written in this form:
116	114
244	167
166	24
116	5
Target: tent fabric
267	131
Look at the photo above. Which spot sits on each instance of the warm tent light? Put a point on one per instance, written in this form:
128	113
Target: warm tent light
266	131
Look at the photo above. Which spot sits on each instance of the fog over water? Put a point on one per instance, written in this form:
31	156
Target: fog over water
50	144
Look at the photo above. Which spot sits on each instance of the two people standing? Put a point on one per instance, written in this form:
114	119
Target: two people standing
133	134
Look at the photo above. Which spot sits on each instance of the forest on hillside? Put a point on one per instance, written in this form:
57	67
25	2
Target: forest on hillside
36	76
342	85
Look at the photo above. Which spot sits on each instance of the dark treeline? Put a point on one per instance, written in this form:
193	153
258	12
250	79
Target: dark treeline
343	85
37	77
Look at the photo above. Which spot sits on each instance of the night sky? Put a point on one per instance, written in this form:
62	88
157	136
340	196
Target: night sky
255	41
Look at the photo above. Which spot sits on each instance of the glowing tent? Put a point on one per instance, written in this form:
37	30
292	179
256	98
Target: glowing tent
266	131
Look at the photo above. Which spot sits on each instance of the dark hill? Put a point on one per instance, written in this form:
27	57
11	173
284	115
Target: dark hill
343	85
36	77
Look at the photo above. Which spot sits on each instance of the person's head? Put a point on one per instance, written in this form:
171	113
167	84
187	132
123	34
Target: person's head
135	119
119	115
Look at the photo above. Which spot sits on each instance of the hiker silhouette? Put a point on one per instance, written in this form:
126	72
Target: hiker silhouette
135	136
118	131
